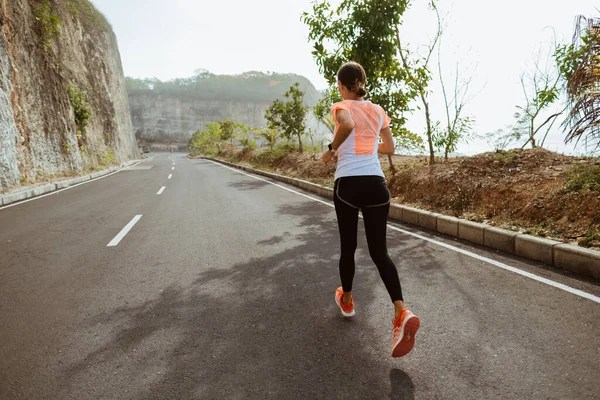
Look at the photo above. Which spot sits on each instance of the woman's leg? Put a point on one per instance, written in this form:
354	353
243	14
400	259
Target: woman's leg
347	216
376	229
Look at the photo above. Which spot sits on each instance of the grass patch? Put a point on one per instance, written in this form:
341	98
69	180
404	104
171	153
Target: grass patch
88	14
592	236
583	178
507	157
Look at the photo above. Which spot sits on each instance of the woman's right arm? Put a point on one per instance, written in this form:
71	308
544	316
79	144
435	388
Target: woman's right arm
387	147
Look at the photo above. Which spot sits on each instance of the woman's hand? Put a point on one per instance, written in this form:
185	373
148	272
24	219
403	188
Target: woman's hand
328	156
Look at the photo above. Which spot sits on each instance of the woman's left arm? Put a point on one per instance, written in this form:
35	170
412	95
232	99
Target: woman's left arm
344	130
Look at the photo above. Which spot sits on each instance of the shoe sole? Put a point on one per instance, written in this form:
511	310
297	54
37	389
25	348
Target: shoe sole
406	340
345	314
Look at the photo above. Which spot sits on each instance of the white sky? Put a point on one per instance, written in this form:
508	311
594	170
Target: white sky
170	39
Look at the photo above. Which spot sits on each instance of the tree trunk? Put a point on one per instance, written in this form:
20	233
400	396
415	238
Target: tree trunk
300	143
392	167
429	133
326	123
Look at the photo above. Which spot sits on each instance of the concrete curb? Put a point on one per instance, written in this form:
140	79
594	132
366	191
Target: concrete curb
39	190
565	256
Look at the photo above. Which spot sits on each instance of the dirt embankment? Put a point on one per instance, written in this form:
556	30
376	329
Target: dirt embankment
531	191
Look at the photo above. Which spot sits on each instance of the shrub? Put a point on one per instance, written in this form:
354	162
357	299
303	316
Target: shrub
50	23
82	111
247	143
583	178
107	159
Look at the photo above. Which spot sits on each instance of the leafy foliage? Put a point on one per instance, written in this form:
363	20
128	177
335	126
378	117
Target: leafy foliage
207	141
289	117
541	89
459	129
322	110
268	135
49	22
82	111
568	57
247	143
365	32
107	159
228	130
418	76
253	86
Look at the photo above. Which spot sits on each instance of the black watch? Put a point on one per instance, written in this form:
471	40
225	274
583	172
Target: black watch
330	147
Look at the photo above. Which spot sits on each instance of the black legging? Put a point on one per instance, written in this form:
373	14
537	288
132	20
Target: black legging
370	195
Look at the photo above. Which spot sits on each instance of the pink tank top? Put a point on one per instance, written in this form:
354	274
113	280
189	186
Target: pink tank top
358	154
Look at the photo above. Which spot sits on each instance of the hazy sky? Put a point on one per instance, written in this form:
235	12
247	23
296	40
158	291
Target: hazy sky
498	40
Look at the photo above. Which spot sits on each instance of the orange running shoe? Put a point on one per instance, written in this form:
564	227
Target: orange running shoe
347	309
405	329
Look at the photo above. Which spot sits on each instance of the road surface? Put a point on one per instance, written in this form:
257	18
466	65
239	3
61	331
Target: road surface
184	279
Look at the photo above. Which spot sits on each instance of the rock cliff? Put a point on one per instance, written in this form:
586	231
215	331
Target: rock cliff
63	101
172	111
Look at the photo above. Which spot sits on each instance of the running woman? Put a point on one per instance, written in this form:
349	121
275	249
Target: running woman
360	185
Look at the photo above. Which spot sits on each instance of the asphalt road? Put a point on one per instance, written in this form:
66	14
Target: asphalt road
223	289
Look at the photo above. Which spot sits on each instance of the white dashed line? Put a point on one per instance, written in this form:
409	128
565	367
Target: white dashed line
124	231
170	176
162	189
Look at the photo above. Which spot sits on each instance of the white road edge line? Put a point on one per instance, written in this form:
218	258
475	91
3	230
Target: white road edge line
162	189
124	231
170	176
495	263
70	187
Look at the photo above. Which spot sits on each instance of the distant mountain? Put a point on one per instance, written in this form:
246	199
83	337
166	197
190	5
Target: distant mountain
248	87
172	111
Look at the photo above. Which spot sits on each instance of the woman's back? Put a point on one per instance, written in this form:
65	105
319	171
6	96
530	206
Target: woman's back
358	154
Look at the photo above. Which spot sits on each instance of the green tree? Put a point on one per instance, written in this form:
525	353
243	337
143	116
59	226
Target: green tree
269	135
231	130
207	141
241	130
418	75
541	89
322	110
228	129
289	117
459	128
247	143
365	32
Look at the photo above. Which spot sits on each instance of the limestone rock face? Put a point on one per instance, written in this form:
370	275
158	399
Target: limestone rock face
159	117
46	48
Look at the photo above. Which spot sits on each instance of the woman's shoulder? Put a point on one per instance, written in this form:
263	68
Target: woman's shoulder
377	106
341	105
